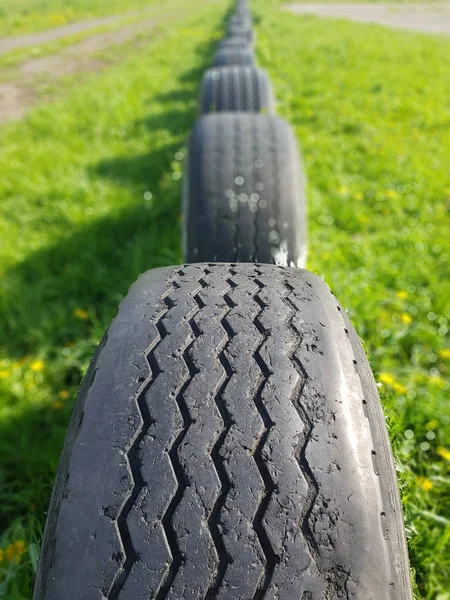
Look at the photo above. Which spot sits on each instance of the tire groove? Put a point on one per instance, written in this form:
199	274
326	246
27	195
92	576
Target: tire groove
300	453
271	558
237	452
133	459
214	519
180	475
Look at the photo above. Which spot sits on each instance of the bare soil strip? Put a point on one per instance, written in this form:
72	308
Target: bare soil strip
17	97
428	18
35	39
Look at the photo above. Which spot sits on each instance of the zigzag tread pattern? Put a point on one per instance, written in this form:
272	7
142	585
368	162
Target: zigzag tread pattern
285	520
213	451
124	521
239	478
193	518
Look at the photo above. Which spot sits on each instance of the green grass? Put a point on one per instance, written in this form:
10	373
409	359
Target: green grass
15	58
393	2
376	141
25	16
90	190
77	226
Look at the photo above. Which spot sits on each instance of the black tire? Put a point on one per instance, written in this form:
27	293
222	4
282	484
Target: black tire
245	89
241	20
239	31
234	56
234	42
244	197
228	443
242	8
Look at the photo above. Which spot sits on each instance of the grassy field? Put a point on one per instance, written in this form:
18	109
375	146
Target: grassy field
26	16
16	58
90	190
376	141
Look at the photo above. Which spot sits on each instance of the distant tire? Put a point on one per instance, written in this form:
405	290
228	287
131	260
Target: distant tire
240	21
234	56
242	8
244	198
234	42
245	89
239	31
228	443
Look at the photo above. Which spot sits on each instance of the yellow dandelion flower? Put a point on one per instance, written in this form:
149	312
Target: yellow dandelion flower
406	318
10	553
37	366
56	405
443	453
425	484
387	378
63	394
4	374
391	194
437	381
19	546
402	295
58	18
399	388
432	424
384	316
81	314
419	378
444	353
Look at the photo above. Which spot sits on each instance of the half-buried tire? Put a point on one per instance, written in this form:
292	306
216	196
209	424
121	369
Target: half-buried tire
228	443
244	197
237	88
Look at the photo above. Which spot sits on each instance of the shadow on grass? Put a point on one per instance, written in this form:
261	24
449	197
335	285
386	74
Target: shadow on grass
90	269
93	267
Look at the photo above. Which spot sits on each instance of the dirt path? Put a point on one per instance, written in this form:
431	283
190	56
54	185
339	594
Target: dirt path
35	39
429	18
19	95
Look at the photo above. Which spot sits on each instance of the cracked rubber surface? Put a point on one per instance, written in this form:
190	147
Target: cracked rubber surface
228	443
244	194
245	89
